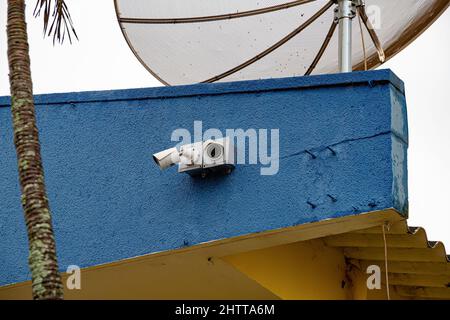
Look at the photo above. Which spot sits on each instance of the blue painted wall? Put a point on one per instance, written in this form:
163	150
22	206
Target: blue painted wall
110	201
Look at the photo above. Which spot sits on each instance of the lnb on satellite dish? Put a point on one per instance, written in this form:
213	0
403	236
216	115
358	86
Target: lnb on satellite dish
191	41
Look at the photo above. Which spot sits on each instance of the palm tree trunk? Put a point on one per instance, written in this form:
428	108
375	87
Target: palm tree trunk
46	280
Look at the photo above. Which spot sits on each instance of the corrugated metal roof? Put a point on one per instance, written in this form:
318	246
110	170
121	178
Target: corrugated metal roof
417	267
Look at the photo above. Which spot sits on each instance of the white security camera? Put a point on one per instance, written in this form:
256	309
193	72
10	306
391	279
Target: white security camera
167	158
199	158
218	154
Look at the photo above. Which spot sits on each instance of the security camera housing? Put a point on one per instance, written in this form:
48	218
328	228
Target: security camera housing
167	158
191	158
200	158
213	156
218	153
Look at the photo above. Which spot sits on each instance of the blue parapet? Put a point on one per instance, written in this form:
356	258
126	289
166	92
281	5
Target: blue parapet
342	152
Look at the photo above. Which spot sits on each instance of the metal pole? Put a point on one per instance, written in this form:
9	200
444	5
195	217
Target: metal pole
345	14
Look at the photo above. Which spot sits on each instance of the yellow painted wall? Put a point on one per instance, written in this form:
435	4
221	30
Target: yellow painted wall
303	270
284	264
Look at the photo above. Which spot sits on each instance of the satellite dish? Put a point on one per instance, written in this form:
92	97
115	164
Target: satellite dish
190	41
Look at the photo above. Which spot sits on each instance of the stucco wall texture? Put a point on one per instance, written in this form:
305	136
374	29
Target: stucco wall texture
110	201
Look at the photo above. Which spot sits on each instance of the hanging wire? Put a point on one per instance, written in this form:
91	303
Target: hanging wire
362	39
372	33
386	225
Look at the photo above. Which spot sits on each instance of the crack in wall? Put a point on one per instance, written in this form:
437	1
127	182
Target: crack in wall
323	148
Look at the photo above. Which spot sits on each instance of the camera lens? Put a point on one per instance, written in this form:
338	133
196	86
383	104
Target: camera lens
214	150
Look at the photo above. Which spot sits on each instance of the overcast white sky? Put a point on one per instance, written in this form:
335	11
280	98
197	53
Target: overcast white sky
103	61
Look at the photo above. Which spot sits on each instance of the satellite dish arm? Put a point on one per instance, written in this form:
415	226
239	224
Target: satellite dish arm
372	33
227	16
273	47
322	48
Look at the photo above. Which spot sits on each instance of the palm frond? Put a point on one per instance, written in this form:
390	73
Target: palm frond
61	24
